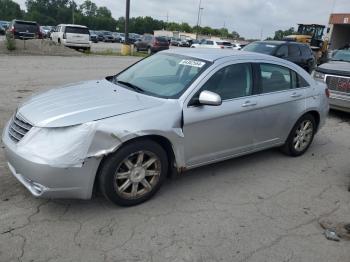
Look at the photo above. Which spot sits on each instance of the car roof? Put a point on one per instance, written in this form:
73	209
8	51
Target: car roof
72	25
216	54
276	42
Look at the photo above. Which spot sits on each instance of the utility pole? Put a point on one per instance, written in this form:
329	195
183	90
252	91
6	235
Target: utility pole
73	12
127	17
199	12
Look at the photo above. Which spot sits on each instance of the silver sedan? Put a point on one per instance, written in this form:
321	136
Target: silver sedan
172	111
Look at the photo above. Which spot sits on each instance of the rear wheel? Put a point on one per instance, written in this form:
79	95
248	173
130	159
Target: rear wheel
134	173
301	136
149	51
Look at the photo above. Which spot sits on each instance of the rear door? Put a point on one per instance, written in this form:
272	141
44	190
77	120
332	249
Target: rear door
77	35
294	54
280	102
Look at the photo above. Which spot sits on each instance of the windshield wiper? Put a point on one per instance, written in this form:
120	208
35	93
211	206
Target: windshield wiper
132	86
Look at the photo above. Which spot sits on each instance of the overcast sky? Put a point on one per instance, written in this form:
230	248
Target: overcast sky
248	18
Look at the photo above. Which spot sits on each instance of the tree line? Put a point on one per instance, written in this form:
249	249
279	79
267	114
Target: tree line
54	12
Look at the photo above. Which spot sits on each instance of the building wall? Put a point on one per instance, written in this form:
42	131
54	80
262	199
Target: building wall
339	19
339	33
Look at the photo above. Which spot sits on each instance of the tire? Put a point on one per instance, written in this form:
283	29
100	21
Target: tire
298	143
149	51
132	170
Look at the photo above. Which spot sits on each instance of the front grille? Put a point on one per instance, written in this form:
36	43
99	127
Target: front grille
18	128
338	83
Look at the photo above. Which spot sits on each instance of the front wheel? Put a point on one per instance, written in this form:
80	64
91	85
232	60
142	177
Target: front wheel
149	51
301	136
134	173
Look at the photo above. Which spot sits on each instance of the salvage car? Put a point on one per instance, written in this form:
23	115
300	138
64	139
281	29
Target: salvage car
336	73
175	110
300	54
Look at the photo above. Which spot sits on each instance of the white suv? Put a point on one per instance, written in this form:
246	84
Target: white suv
213	44
74	36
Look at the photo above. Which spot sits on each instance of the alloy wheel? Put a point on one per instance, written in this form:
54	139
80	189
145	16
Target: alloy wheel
137	175
303	135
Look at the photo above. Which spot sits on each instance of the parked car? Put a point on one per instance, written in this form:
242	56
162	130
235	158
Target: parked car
108	37
24	30
3	27
93	37
178	109
100	36
175	41
300	54
73	36
117	37
336	73
152	44
45	30
236	46
213	44
133	38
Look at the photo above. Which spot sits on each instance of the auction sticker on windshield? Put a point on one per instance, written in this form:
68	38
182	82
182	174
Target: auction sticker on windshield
192	63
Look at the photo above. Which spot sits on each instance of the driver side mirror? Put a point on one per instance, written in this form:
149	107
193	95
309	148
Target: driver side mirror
209	98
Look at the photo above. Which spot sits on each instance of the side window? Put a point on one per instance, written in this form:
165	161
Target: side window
306	51
301	82
282	51
210	43
230	82
274	78
298	81
293	51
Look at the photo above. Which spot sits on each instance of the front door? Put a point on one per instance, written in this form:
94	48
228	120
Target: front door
214	133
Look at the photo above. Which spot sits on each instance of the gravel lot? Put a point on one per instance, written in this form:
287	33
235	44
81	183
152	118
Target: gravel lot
262	207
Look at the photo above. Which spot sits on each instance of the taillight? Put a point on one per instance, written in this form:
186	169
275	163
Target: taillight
13	30
222	47
64	36
327	92
156	42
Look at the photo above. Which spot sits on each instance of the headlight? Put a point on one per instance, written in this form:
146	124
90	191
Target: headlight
319	76
58	147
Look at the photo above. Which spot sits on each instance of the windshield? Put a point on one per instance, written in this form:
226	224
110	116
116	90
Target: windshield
162	75
265	48
341	55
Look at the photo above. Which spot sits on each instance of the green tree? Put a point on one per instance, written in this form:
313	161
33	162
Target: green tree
10	10
280	33
88	8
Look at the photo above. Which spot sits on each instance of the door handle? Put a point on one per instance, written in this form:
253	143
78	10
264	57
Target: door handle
249	103
296	95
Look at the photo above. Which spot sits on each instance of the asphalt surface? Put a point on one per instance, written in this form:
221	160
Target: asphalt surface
261	207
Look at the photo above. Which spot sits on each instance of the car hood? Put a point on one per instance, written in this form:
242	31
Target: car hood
335	67
83	102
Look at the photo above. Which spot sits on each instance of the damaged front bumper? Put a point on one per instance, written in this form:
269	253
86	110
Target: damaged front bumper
47	180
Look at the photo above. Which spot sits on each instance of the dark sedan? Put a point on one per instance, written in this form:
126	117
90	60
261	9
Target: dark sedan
300	54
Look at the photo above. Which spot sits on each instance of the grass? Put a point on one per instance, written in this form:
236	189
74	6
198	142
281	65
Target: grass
10	43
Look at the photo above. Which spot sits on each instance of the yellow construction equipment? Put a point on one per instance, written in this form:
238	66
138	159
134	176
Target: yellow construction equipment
311	34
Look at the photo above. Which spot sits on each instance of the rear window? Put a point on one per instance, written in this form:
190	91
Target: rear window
161	39
77	30
26	26
265	48
305	50
224	43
